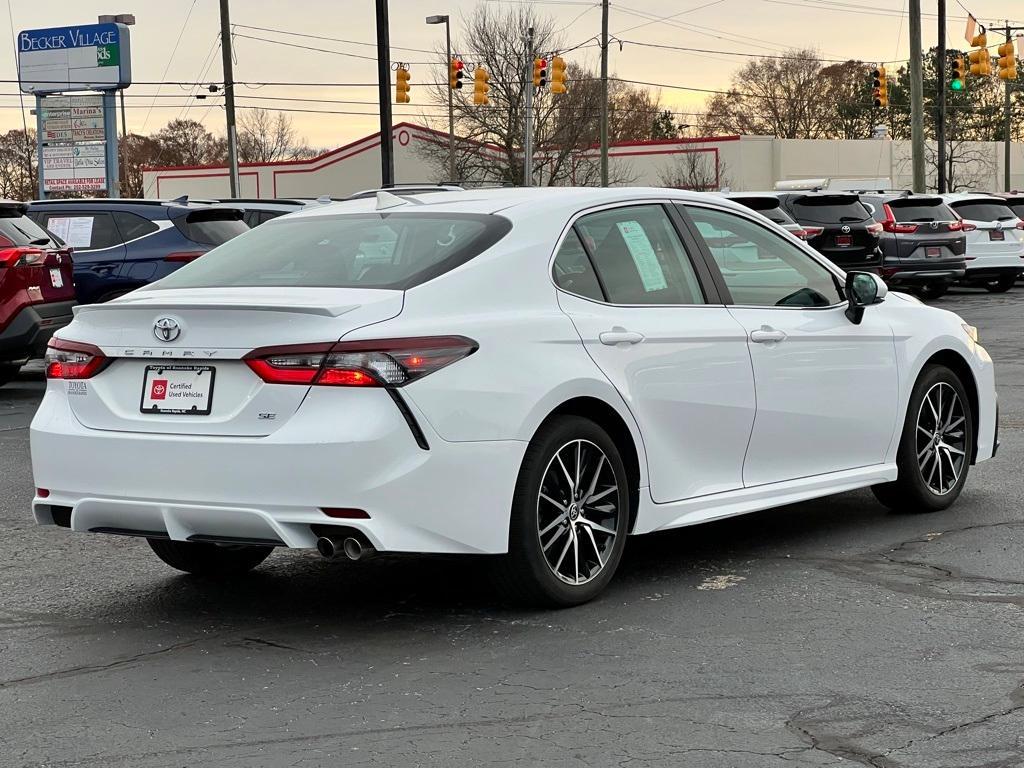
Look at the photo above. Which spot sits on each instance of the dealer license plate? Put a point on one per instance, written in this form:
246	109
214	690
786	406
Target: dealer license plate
185	390
933	251
996	234
843	240
56	278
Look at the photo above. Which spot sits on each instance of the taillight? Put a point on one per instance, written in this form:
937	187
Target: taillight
73	360
1020	225
809	233
380	363
875	228
968	227
964	226
896	227
21	257
184	256
956	226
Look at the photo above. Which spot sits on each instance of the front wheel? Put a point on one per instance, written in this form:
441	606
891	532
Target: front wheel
213	560
1001	284
935	448
570	516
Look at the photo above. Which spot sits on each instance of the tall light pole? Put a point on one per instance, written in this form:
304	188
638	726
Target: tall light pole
229	96
451	106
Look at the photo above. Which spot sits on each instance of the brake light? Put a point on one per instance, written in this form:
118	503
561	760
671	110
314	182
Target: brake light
956	226
379	363
875	228
21	257
896	227
73	360
965	226
808	233
1020	225
184	256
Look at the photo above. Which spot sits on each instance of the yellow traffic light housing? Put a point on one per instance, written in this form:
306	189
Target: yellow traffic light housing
402	86
1007	61
880	87
480	86
455	74
958	74
981	62
980	40
558	75
540	72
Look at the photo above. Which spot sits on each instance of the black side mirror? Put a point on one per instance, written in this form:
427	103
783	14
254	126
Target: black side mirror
863	289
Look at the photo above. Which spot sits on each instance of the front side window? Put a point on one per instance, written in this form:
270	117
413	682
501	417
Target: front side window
639	257
759	267
373	250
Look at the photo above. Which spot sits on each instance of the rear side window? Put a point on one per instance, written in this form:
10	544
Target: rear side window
84	231
132	226
829	209
1017	206
573	271
915	211
983	210
374	250
211	227
639	256
17	230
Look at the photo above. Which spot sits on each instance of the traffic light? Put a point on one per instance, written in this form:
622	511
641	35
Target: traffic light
880	87
455	74
980	40
981	62
1007	61
402	86
558	75
540	72
958	74
480	86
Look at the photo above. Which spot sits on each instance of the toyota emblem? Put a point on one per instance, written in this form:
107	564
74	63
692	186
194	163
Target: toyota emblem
166	329
846	230
933	224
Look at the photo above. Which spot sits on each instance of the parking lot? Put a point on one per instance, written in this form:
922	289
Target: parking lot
824	633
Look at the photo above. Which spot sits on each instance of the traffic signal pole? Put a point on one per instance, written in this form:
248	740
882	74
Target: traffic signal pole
528	115
229	96
1009	78
916	98
387	146
940	109
604	93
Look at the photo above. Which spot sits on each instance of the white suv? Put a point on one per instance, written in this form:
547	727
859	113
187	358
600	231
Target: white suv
533	374
995	240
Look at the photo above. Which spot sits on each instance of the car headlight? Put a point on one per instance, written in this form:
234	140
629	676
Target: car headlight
971	331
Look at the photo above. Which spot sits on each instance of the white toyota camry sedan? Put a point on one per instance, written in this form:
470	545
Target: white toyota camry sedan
532	374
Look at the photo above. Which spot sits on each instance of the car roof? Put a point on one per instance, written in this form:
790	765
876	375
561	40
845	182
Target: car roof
514	202
958	197
118	202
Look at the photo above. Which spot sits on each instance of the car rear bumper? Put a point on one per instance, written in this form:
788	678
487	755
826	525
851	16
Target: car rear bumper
29	331
918	272
454	497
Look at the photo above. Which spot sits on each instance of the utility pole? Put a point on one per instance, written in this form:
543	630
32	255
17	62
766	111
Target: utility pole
387	144
1009	78
446	20
940	86
604	93
528	118
916	98
229	95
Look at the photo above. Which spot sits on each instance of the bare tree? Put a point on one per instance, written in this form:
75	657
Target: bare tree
18	180
695	169
265	136
969	165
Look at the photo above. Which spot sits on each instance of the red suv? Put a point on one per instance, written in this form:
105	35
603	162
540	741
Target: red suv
37	290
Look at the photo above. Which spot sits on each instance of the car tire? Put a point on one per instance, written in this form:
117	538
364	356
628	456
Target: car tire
8	372
210	560
1001	284
545	558
932	471
931	291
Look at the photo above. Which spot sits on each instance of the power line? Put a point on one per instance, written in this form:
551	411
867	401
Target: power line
174	50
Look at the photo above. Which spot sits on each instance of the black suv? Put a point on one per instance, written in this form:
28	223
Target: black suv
838	226
923	242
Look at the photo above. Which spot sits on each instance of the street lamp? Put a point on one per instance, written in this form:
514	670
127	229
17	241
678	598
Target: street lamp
451	108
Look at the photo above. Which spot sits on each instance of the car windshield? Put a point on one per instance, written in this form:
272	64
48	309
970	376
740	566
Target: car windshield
918	210
829	209
379	250
984	210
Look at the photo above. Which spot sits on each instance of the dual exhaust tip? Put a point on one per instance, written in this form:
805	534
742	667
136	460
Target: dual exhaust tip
337	547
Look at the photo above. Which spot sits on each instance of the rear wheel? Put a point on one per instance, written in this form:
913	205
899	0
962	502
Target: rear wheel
8	372
570	516
935	448
931	291
215	560
1002	284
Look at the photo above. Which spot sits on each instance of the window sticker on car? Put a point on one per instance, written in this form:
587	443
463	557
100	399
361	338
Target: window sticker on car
643	254
76	231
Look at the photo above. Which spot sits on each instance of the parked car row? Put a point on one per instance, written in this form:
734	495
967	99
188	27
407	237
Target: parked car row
920	243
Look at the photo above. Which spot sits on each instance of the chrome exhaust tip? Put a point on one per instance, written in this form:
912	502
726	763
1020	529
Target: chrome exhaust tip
356	550
329	549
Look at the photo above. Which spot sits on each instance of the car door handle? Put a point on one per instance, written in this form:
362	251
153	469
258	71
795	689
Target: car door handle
611	338
767	334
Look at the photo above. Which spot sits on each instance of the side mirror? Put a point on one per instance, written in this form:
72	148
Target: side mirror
862	290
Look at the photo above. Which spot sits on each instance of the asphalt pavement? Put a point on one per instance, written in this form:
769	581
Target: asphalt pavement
820	634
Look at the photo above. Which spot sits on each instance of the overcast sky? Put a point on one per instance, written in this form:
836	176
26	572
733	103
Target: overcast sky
871	30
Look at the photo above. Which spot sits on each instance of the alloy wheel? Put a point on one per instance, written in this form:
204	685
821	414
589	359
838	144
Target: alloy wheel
941	438
578	512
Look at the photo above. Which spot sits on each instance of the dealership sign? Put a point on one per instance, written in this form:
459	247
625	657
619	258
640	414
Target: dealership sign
90	57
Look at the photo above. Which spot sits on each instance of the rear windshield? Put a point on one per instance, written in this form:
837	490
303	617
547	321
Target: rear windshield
378	250
923	211
767	207
211	227
984	210
17	229
829	209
